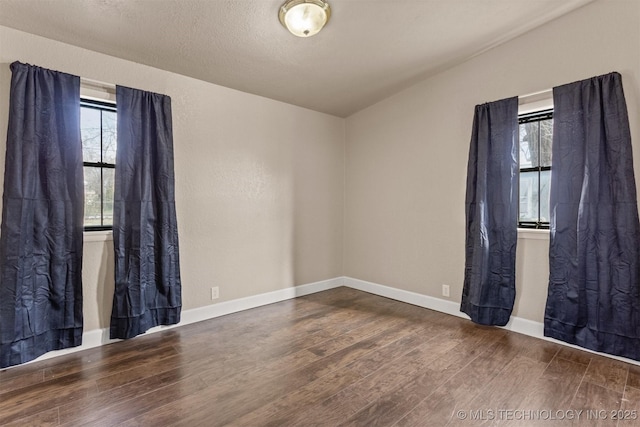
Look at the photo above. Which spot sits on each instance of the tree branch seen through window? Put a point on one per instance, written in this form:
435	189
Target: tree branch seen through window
536	135
98	128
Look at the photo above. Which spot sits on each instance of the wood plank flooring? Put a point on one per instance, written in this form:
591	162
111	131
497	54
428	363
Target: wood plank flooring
335	358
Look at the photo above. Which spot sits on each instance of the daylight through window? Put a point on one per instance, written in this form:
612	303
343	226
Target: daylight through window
98	130
536	134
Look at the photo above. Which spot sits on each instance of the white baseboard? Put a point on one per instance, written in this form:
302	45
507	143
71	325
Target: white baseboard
241	304
98	337
516	324
437	304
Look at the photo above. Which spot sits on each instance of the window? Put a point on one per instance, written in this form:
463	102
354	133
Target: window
536	132
98	132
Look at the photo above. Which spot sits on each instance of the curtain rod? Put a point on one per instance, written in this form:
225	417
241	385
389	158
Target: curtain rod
535	96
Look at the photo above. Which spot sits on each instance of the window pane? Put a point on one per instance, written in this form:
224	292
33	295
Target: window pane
90	134
545	186
546	138
109	126
98	123
529	144
92	196
108	176
529	196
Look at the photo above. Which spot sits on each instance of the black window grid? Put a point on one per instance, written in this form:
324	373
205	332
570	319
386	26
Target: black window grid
101	106
537	116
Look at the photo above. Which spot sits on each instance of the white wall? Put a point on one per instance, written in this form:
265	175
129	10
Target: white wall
259	183
406	156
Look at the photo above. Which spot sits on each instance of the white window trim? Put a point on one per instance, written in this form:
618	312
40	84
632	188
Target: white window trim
532	103
98	236
533	234
105	92
98	91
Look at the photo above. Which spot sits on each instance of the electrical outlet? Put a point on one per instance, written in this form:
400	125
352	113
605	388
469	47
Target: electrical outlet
215	293
445	290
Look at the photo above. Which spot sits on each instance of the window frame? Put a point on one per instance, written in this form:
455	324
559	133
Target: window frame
533	116
100	105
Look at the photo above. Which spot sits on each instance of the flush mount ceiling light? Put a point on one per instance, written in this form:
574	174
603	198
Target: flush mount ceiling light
304	18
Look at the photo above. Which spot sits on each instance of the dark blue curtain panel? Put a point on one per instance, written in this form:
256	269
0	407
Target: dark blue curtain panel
145	231
492	214
593	299
42	214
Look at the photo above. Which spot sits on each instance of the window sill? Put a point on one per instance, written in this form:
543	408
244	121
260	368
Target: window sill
533	234
98	236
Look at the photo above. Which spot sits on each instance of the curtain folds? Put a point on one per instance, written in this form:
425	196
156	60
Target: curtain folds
42	217
593	298
492	214
145	233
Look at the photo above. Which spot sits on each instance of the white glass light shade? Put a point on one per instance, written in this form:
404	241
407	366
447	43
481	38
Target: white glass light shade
304	18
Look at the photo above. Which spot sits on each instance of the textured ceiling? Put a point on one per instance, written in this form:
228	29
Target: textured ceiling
369	50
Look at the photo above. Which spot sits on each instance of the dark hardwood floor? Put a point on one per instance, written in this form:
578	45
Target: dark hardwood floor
340	357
